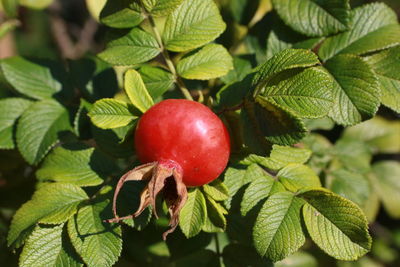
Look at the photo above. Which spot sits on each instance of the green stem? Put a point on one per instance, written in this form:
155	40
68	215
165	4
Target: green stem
168	61
217	245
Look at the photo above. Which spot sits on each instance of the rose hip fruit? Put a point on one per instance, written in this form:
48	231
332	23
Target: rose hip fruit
182	143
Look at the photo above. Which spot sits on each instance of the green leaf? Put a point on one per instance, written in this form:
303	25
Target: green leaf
193	214
283	155
351	185
314	18
97	242
135	47
36	79
215	220
209	62
386	65
353	154
305	92
159	8
121	14
235	177
375	27
10	110
80	166
296	177
356	92
286	60
156	80
35	4
259	189
380	134
336	224
387	184
278	125
52	204
193	24
39	129
216	190
277	232
110	113
136	91
46	247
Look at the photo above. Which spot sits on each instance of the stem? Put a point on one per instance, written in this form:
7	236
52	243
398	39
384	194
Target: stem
217	245
168	60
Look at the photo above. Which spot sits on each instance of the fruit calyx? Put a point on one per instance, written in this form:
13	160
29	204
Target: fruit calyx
163	176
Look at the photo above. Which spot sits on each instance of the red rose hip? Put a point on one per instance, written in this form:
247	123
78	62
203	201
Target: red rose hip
181	143
186	133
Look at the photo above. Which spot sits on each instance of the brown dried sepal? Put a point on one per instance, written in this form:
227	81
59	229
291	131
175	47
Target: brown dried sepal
162	177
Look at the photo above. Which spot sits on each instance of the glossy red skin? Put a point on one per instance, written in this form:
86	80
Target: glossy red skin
185	132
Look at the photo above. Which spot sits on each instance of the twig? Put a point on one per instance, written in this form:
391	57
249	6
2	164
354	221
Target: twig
167	59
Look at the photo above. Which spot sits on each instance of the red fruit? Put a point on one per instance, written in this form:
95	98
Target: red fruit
187	133
182	143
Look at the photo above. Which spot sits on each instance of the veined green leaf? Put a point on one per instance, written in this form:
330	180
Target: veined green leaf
136	91
211	61
82	167
237	176
314	18
336	224
351	185
280	157
51	204
277	232
97	242
46	247
160	7
36	79
356	91
121	14
262	186
296	177
305	92
234	93
387	184
10	110
135	47
193	24
156	80
278	125
193	214
375	27
39	128
216	190
380	134
110	113
386	65
285	60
